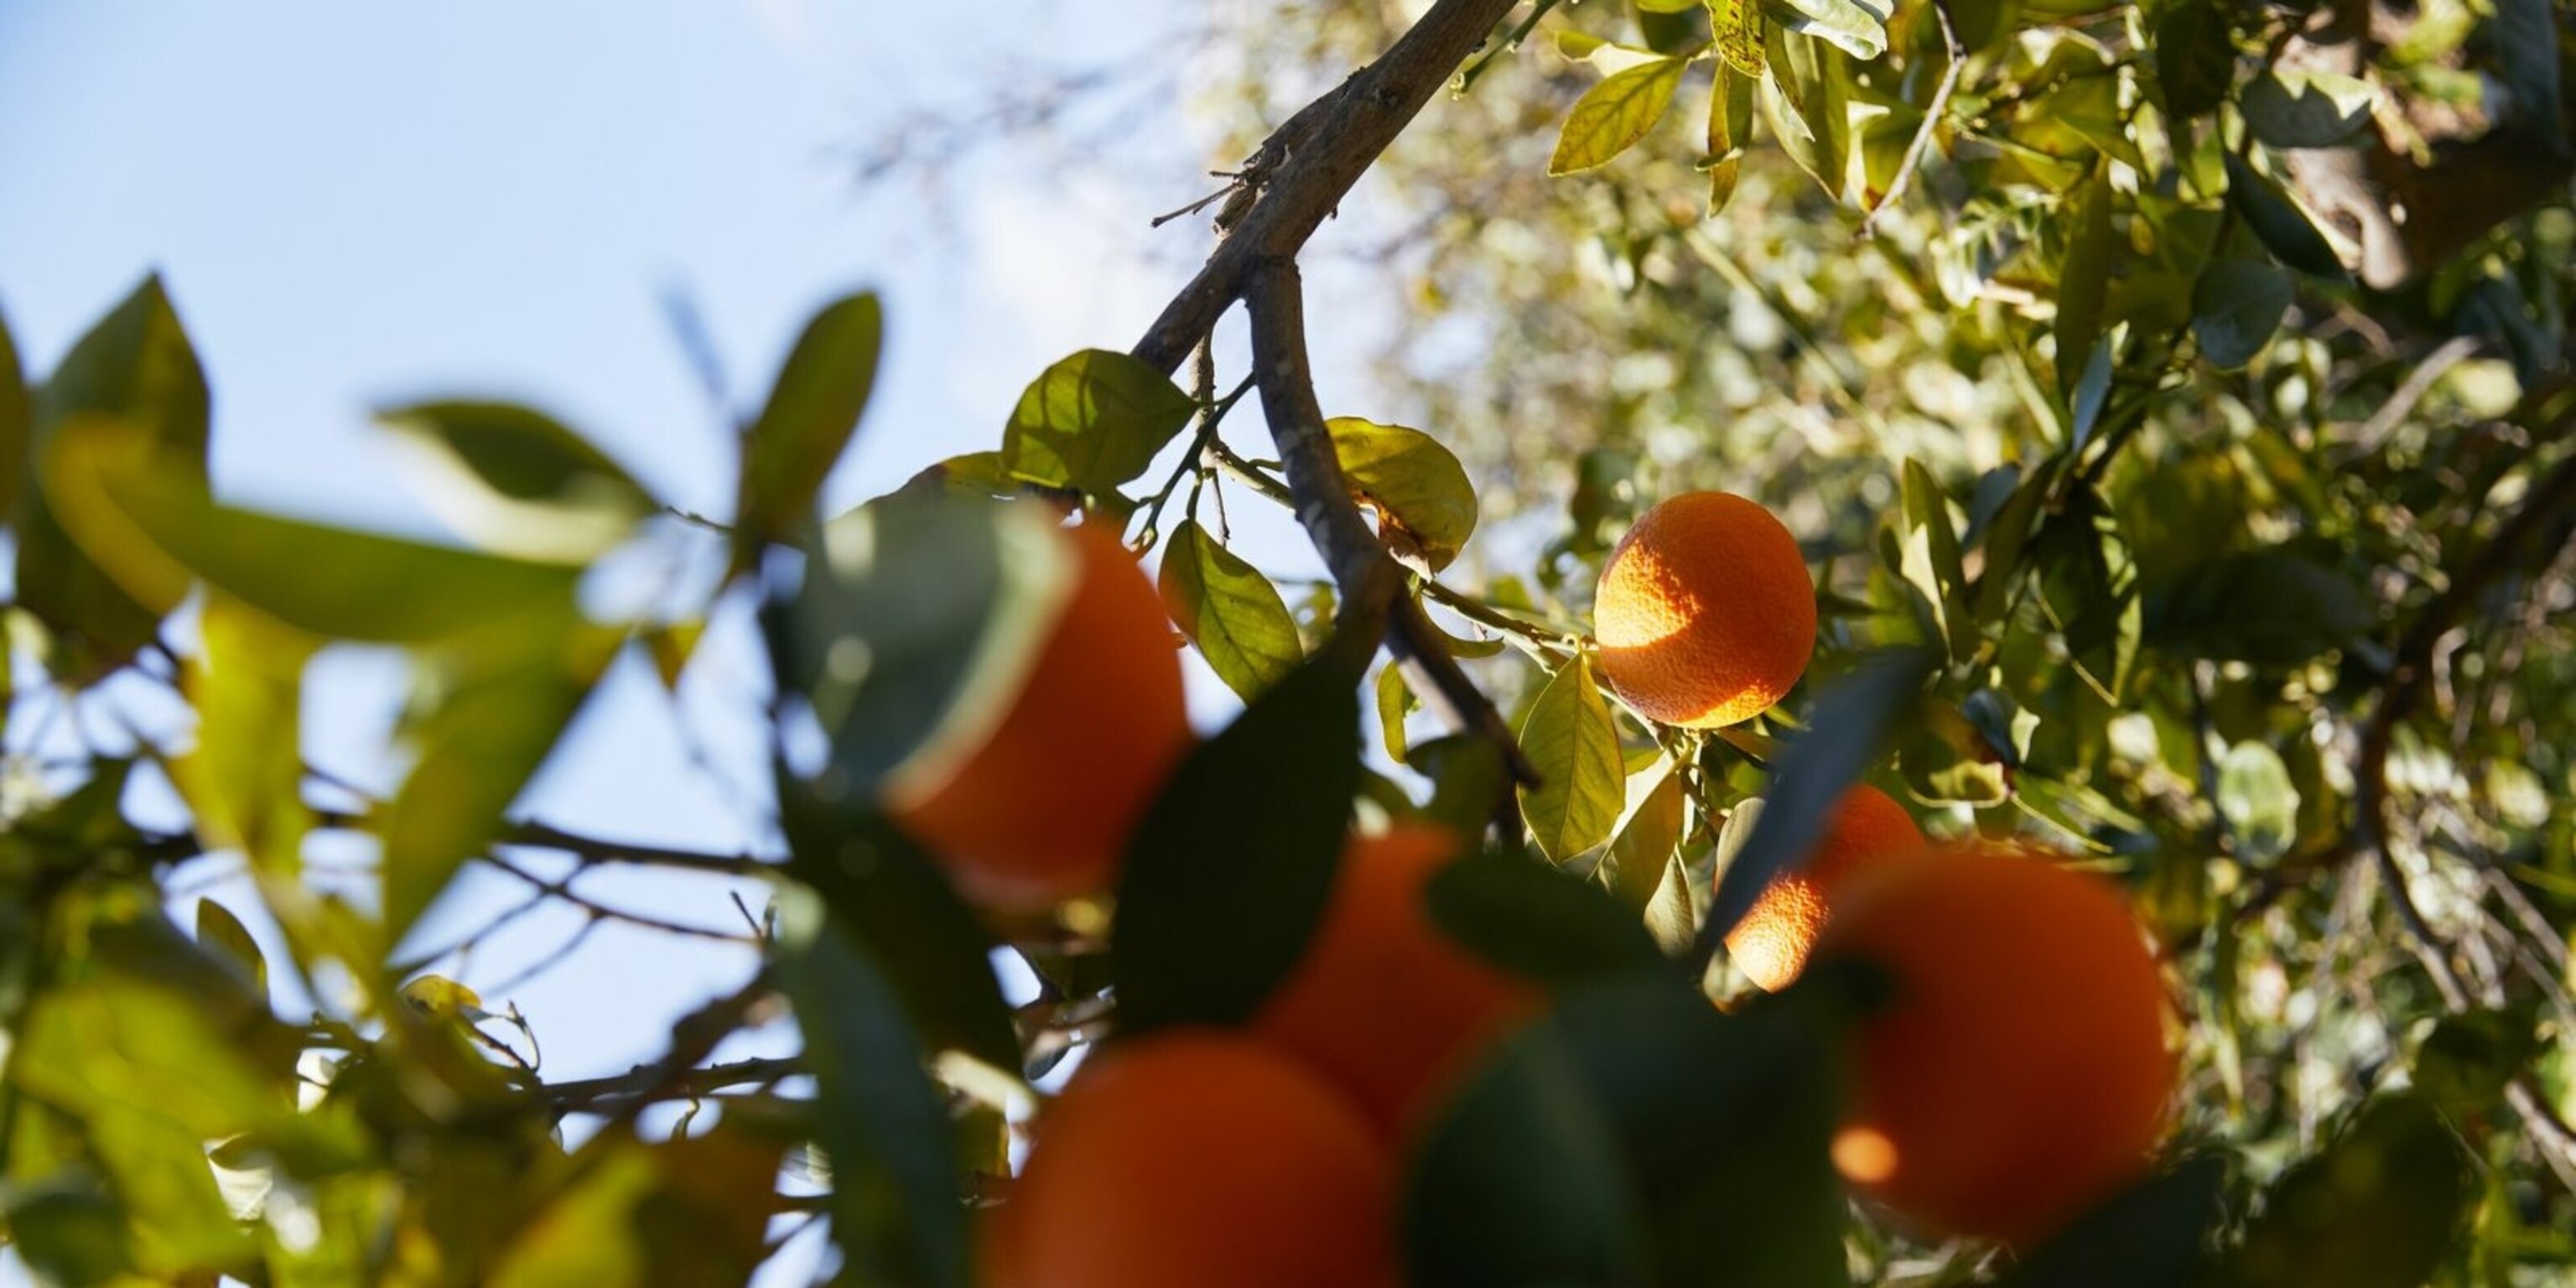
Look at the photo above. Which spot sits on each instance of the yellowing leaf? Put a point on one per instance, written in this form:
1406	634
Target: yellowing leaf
1613	115
1421	493
1571	739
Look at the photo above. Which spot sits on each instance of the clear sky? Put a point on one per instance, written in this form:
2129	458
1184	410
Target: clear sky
361	203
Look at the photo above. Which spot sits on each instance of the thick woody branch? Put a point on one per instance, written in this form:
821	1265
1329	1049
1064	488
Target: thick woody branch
1321	497
1300	175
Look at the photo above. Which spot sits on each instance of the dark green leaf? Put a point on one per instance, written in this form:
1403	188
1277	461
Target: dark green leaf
2269	607
16	417
2089	590
1205	942
1535	921
1572	740
515	480
2526	40
1229	610
1613	115
1930	557
1468	780
2195	57
2378	1208
223	933
895	1213
2085	279
2236	307
2278	223
2305	109
1420	491
1805	100
2149	1236
1092	422
813	408
1853	719
2464	1063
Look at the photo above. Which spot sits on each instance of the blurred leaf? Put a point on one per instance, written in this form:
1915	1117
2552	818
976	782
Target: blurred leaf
891	898
1229	610
1468	780
2270	607
2278	223
1645	846
515	480
1417	486
245	780
2379	1208
895	1213
2236	307
1572	740
1533	920
1202	942
2085	279
1613	115
68	1231
1853	718
2462	1066
2305	109
1395	701
16	415
1092	422
2195	57
1980	23
2526	42
1519	1181
219	930
2003	723
813	408
686	1210
2258	802
1930	564
2151	1235
1856	29
481	741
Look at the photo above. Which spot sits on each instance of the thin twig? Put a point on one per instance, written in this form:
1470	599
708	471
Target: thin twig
1932	115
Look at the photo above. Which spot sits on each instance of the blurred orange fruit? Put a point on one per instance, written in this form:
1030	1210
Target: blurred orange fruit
1865	828
1193	1158
1041	811
1383	1002
1705	614
2018	1074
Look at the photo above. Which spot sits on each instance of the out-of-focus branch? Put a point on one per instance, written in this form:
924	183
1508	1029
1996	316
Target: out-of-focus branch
648	1083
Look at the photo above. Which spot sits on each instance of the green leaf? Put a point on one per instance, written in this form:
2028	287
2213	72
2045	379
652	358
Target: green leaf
2273	608
2089	591
1853	718
221	931
1519	1181
1644	849
1806	103
2085	279
2524	35
1229	610
2149	1236
2236	307
1572	740
136	365
2463	1065
16	422
1930	560
1854	28
1672	915
2260	805
682	1210
482	739
2278	223
1605	57
245	780
1468	780
891	899
1205	942
2305	109
1613	115
2379	1208
1395	701
515	480
813	408
1730	128
1737	27
1536	921
895	1212
2195	57
1420	491
2007	536
1092	422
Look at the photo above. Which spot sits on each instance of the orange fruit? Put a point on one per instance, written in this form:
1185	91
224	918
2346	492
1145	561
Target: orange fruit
1191	1158
1383	1003
1705	614
2018	1073
1041	810
1866	828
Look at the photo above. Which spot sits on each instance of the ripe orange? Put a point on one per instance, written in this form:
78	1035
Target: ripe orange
1866	828
1383	1003
1705	614
2019	1073
1041	811
1194	1158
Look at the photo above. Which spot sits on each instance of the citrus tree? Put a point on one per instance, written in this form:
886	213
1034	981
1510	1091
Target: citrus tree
2007	722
